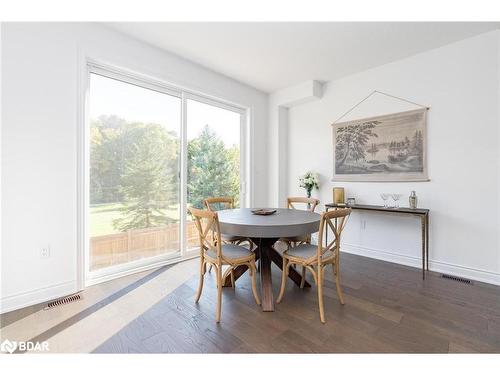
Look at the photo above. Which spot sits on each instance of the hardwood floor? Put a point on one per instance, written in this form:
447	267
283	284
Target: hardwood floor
388	309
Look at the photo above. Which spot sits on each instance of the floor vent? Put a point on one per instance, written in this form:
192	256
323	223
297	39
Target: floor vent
456	278
63	301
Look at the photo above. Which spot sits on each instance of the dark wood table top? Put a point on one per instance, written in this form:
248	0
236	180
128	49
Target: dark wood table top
369	207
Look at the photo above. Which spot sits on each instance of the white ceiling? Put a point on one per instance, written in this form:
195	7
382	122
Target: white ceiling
271	56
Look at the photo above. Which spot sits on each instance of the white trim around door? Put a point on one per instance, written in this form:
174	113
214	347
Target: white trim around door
91	66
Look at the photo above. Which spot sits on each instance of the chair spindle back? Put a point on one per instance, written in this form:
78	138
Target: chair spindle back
293	202
335	220
207	224
219	203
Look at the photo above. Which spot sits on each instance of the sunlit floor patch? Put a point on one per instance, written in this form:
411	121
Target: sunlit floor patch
84	325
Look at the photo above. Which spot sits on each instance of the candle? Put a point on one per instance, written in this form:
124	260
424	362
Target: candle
338	195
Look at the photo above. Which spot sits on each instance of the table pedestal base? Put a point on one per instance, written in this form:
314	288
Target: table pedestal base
266	254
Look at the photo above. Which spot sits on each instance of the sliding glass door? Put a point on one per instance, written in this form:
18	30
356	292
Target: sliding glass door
153	152
213	156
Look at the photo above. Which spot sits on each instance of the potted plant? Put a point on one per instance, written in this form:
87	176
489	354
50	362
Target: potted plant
309	181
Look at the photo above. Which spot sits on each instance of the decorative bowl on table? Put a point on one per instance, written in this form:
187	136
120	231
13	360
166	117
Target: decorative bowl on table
263	211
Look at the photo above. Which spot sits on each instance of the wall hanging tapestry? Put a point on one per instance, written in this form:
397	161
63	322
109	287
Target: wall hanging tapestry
383	148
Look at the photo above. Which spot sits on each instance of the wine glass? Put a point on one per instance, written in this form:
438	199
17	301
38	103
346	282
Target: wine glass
396	197
384	197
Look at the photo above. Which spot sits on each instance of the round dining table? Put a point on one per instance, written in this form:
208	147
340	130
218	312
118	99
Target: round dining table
264	231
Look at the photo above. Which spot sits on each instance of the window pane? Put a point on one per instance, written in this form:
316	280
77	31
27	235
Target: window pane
134	172
213	136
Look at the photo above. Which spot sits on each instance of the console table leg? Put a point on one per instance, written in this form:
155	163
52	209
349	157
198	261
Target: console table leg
427	241
422	221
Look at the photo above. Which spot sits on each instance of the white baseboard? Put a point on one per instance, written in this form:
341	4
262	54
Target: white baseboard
18	301
442	267
108	276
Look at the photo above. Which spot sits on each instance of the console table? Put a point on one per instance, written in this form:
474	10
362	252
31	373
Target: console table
423	213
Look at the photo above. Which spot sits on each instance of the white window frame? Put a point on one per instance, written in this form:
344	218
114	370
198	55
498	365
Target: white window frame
87	278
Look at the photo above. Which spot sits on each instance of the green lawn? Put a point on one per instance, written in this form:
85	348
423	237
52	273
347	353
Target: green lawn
102	216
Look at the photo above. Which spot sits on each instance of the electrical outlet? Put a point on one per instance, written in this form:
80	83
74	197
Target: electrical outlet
45	252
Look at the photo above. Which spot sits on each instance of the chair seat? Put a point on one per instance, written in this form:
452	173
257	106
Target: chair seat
306	251
295	239
230	251
229	238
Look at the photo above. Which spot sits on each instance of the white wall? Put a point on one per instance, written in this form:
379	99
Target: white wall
40	70
461	84
279	104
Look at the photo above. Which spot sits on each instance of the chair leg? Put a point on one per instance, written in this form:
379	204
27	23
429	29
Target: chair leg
219	294
253	275
202	276
303	281
337	282
229	272
284	275
210	268
320	294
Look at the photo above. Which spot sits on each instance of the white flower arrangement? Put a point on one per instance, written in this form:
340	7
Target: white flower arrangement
309	181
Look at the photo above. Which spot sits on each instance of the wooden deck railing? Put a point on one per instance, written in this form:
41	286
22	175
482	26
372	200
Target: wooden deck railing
135	244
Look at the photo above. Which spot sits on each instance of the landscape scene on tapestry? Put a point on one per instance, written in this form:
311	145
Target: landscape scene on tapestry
391	144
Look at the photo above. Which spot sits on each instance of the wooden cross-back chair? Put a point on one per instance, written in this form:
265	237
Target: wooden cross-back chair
315	257
225	203
216	253
293	203
300	203
219	203
310	203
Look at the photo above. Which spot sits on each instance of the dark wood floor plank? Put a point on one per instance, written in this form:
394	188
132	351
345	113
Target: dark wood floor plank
347	337
122	343
292	273
389	309
291	342
459	348
449	330
182	331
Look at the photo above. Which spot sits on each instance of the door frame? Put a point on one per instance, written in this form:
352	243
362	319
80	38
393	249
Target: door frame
89	66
